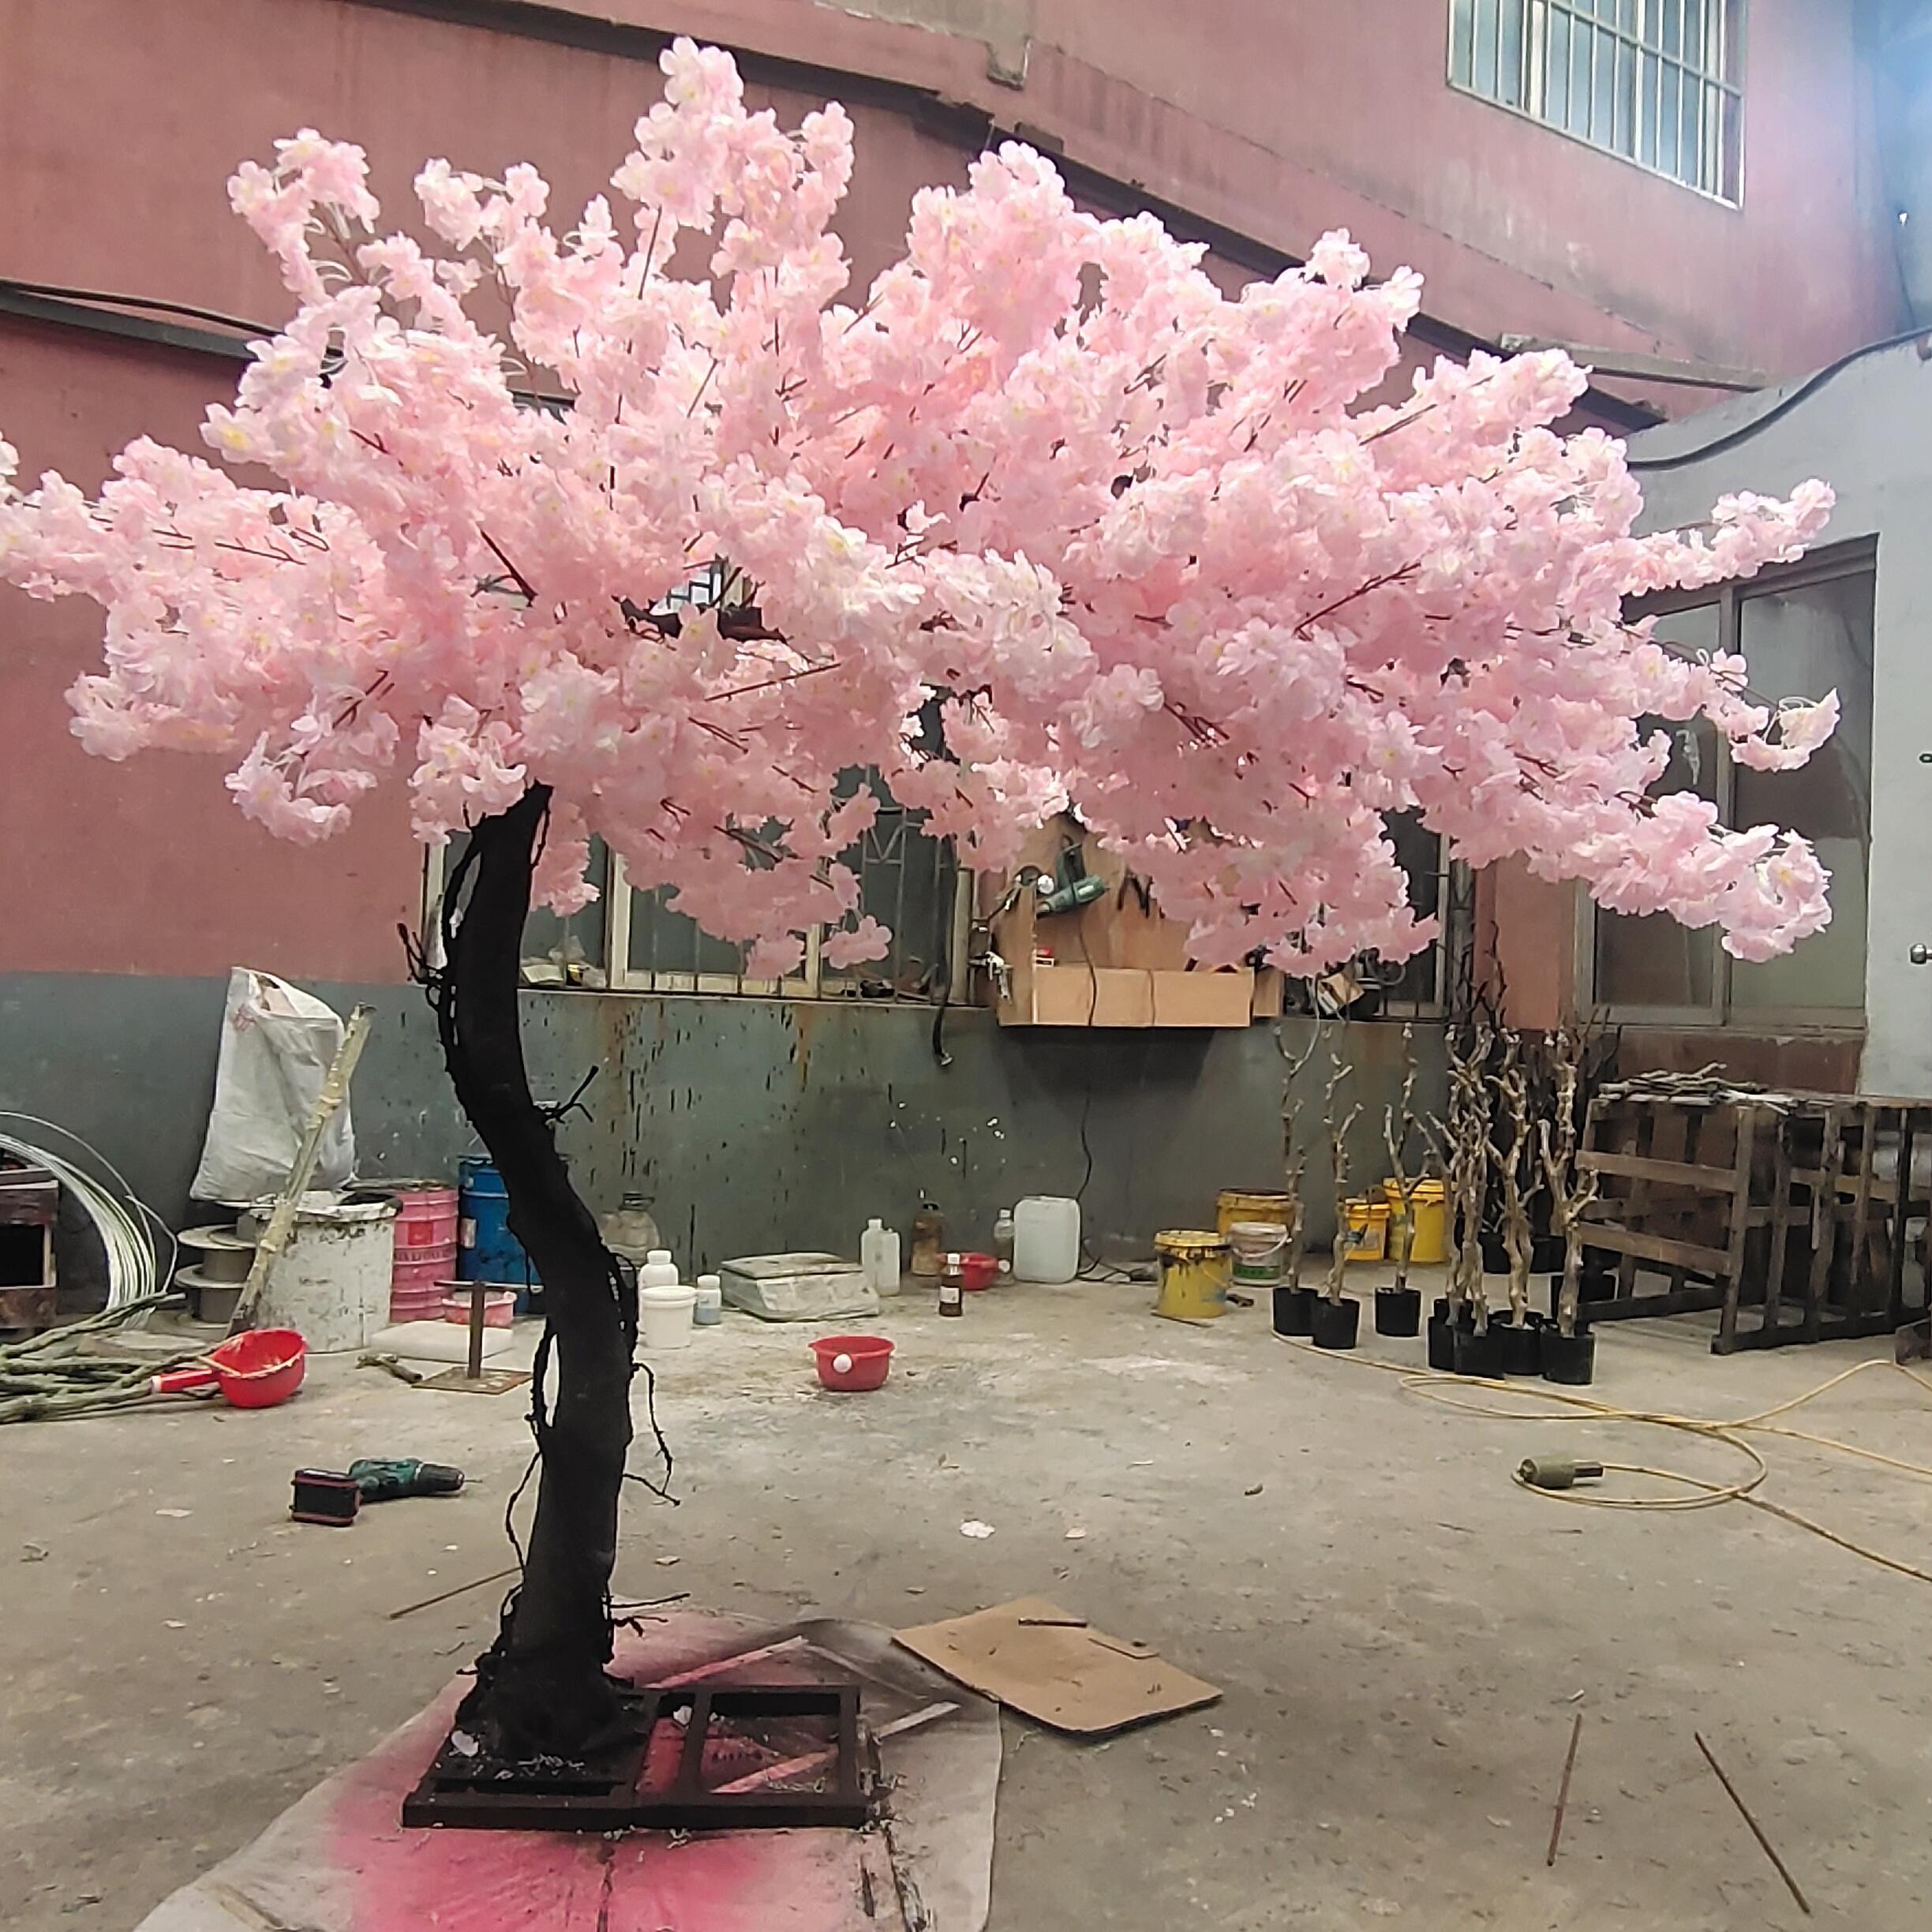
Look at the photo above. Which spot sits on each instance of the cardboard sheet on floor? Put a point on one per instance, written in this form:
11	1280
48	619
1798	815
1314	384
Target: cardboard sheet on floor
1051	1665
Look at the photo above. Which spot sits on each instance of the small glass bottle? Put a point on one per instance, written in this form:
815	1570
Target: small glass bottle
1003	1239
953	1286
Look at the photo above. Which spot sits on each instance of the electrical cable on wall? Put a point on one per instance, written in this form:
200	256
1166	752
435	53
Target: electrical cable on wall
1783	407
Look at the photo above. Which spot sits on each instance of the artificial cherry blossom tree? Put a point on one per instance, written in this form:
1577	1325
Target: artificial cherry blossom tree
1145	546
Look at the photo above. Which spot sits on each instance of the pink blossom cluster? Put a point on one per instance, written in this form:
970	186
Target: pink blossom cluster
1148	544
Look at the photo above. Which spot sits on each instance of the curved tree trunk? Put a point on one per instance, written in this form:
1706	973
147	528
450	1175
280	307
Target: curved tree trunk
540	1688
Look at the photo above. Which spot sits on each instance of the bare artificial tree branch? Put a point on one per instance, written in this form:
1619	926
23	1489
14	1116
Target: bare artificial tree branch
1573	1188
1397	1144
1467	1135
1294	1160
1340	1071
1515	1170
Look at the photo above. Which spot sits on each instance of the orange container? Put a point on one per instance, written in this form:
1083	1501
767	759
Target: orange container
256	1370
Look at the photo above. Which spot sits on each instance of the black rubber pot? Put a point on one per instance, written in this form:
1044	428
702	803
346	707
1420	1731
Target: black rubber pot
1336	1323
1522	1348
1479	1354
1398	1311
1441	1334
1293	1310
1495	1255
1571	1359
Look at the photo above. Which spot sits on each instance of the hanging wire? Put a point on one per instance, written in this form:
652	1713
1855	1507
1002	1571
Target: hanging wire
132	1234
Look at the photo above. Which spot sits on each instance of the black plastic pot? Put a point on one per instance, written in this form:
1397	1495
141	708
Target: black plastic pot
1522	1348
1441	1334
1398	1311
1479	1354
1293	1310
1571	1359
1336	1323
1495	1255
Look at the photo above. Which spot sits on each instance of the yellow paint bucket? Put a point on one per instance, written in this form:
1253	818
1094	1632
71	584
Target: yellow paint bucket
1196	1268
1233	1204
1368	1229
1430	1200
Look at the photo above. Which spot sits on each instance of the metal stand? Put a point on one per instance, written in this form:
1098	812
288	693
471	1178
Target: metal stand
475	1379
771	1757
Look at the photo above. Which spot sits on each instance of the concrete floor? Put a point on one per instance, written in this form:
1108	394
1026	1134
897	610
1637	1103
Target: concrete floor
1403	1635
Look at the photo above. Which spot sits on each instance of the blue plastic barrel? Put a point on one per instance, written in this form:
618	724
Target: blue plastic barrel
487	1251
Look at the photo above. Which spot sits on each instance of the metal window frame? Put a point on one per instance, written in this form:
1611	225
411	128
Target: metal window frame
810	983
1858	558
1456	912
624	978
1715	71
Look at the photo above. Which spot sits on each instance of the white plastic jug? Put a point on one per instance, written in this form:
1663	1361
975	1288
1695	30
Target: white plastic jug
659	1270
1046	1238
879	1255
664	1318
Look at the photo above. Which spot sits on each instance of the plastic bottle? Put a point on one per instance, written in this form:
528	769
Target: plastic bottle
710	1306
928	1240
629	1230
879	1255
659	1270
1003	1240
1046	1236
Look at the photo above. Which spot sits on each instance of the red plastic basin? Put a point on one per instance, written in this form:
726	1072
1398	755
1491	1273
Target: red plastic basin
852	1363
254	1370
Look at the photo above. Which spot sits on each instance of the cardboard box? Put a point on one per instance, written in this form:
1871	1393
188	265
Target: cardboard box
1204	999
1105	996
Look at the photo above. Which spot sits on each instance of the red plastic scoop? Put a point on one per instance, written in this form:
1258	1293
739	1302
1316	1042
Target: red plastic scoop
256	1370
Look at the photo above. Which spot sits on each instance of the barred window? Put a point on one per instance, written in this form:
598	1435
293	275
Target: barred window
1656	81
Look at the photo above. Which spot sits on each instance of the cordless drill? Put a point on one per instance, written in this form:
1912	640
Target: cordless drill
332	1497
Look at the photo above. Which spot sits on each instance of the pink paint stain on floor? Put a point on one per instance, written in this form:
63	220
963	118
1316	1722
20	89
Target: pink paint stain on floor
415	1881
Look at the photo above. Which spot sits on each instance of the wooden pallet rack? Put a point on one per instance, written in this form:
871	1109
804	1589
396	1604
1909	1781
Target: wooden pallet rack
1789	1214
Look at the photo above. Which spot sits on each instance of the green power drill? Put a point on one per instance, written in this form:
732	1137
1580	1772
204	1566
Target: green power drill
332	1497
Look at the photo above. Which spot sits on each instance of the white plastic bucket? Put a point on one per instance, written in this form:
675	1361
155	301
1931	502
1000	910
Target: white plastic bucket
664	1318
331	1283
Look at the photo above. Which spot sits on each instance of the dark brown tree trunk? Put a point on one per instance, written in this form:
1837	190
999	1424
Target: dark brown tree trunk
541	1688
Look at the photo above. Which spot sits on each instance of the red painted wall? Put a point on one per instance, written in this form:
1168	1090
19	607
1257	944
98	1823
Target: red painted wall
147	866
1279	117
121	120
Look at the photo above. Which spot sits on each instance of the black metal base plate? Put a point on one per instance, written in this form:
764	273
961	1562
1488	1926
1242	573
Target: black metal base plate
675	1773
